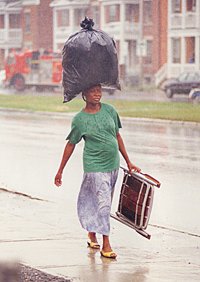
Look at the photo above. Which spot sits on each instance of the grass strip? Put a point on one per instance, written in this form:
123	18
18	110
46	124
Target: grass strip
143	109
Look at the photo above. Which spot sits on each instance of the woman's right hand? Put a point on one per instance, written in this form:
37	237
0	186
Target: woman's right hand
58	179
133	167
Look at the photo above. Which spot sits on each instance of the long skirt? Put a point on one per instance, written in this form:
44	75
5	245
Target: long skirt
94	201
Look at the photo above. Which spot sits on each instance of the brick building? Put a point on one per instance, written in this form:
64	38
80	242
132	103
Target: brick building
126	20
37	24
25	23
47	24
183	36
67	16
10	28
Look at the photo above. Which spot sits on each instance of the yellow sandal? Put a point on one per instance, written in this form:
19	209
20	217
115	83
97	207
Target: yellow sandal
93	245
109	254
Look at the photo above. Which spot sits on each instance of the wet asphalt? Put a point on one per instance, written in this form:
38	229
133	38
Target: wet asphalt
39	224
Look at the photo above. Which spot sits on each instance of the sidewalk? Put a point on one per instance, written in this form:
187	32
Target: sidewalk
39	234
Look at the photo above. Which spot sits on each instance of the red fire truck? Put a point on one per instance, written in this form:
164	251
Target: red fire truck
31	68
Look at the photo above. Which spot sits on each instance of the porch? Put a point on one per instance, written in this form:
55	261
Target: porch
11	38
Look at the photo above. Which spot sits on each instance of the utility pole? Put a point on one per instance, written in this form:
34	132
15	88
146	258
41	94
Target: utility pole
141	55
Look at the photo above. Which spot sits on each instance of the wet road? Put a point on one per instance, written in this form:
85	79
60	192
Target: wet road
31	149
124	94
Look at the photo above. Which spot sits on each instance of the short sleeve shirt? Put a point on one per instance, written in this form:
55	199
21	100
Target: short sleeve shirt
101	151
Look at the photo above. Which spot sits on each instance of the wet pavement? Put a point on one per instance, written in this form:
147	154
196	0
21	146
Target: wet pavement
45	232
124	94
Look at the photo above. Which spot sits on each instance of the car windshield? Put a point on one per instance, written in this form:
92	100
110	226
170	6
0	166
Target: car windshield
192	76
11	61
182	76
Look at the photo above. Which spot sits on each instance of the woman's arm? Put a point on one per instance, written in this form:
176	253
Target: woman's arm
69	148
122	150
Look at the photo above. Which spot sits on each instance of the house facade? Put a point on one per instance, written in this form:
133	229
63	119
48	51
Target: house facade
37	24
167	28
25	23
11	35
183	36
67	16
128	21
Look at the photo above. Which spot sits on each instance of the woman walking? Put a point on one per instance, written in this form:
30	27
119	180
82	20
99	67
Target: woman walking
98	124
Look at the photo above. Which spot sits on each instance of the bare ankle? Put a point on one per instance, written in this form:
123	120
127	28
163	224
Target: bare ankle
106	243
92	237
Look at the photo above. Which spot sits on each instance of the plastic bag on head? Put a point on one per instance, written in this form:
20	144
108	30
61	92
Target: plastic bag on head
89	58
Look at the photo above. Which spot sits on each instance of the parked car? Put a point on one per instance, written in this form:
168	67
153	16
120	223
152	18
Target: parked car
195	95
181	85
109	90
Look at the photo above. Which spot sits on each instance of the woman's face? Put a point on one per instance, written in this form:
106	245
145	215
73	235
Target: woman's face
93	95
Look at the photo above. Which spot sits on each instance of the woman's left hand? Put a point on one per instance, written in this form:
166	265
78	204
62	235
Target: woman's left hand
132	167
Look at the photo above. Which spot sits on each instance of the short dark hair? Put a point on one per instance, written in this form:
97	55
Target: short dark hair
84	92
87	89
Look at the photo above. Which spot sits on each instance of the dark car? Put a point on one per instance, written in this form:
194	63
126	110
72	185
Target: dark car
181	85
109	90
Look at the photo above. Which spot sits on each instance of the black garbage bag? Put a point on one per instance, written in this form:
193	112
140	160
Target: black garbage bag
89	58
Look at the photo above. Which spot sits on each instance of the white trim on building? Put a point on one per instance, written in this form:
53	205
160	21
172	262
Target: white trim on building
75	12
125	32
183	38
124	27
10	37
30	2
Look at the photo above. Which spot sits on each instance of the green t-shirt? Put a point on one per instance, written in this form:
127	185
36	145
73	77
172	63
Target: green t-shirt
101	151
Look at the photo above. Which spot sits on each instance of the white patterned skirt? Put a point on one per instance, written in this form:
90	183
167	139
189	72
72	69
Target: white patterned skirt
94	201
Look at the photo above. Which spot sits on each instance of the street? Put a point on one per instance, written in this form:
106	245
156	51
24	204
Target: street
124	94
34	231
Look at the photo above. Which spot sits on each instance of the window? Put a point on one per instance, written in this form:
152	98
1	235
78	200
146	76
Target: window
11	61
182	76
112	13
192	77
191	5
95	13
14	20
148	12
27	22
79	15
1	21
176	6
132	13
176	50
148	58
132	53
62	18
28	62
190	49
